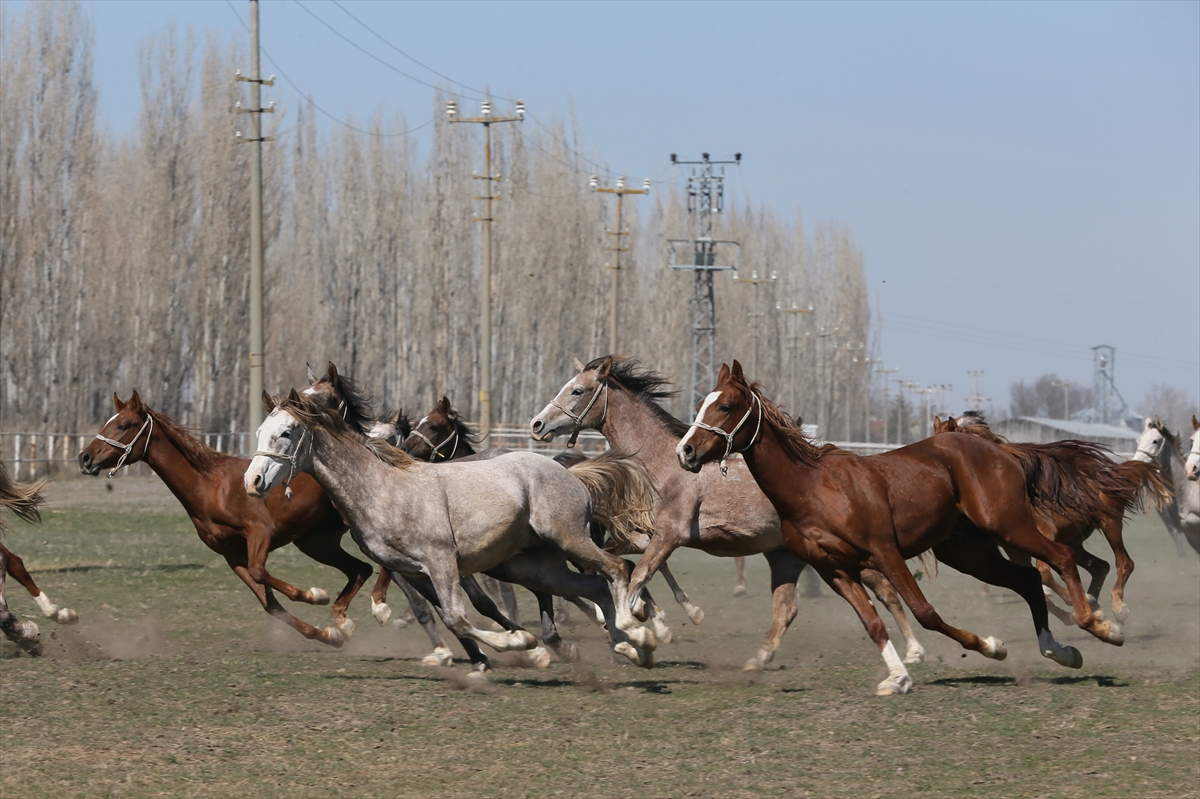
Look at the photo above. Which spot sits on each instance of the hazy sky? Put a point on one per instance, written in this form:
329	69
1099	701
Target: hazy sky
1023	178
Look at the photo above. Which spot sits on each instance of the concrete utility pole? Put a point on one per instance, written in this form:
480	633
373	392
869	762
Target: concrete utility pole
846	346
1065	385
975	399
869	363
256	216
706	196
823	389
794	347
887	378
485	278
755	315
616	267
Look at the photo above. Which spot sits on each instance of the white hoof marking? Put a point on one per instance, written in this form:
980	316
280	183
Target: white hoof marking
694	613
381	612
332	636
537	658
347	626
994	648
438	657
739	590
318	596
915	653
895	685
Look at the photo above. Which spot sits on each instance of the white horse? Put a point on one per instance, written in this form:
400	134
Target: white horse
1193	459
519	513
1159	445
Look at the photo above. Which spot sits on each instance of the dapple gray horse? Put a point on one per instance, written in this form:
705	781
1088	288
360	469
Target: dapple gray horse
724	517
432	523
1159	445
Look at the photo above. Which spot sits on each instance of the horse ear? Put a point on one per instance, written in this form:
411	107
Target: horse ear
268	402
117	402
1195	422
444	404
135	400
1149	423
578	364
605	368
333	373
737	373
723	375
312	378
293	396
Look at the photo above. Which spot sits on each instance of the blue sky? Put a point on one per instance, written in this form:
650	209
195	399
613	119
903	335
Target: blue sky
1024	178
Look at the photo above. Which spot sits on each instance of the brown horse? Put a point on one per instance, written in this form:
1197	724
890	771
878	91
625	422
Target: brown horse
241	529
843	513
25	500
1101	491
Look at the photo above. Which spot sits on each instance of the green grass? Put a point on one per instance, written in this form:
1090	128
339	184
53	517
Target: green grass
176	684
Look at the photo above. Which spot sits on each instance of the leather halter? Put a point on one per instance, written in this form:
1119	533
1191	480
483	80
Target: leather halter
578	420
128	448
290	458
729	450
435	450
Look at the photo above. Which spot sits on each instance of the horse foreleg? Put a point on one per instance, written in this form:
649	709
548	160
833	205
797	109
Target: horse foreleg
326	635
538	657
898	680
694	613
444	578
785	571
1113	533
739	571
325	546
16	567
566	651
258	545
441	655
914	652
379	605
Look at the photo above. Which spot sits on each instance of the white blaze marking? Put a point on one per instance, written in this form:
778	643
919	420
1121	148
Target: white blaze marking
110	420
708	401
309	391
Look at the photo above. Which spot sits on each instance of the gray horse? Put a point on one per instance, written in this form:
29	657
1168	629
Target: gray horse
724	517
432	523
1159	445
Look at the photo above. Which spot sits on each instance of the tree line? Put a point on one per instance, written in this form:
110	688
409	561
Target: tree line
124	260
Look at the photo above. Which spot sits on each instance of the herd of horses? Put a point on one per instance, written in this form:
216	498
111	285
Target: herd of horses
741	479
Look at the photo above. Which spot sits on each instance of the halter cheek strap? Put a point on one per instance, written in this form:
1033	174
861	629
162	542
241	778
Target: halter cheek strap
290	458
730	435
147	427
578	420
435	450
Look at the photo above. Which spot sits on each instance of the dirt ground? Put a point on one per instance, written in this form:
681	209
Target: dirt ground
175	683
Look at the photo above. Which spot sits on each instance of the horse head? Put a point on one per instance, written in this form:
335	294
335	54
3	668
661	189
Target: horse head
1193	459
284	446
1150	442
577	404
117	443
720	428
440	435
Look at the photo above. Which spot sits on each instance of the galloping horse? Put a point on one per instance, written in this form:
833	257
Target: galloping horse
25	500
843	513
1160	446
1101	492
1192	467
241	529
722	517
431	523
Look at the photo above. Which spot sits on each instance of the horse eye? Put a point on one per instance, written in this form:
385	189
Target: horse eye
577	392
286	434
723	408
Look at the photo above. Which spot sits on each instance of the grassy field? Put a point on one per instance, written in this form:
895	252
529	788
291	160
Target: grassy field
176	684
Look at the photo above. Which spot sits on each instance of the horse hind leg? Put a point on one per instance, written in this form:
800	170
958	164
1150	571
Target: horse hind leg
785	572
898	680
326	635
24	634
325	547
914	652
539	656
441	654
16	567
1114	534
739	568
694	613
442	574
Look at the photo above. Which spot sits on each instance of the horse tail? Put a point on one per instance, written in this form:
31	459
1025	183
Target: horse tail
23	499
622	495
1069	478
1146	478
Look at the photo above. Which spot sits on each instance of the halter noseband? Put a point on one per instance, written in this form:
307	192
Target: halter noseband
435	450
291	459
578	420
128	448
729	450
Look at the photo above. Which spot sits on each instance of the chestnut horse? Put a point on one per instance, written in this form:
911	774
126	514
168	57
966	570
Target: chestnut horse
842	513
241	529
25	500
1101	492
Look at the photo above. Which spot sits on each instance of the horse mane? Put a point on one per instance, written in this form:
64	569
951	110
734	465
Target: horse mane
201	457
399	419
973	423
312	414
23	499
789	432
1171	438
358	412
646	386
465	430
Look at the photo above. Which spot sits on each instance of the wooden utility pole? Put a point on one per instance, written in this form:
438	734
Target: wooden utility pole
887	378
755	315
869	363
794	345
485	279
256	217
621	190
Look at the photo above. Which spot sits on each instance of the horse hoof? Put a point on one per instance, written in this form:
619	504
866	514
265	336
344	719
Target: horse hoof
438	657
739	590
640	609
752	664
695	614
1113	634
894	686
661	631
381	612
1098	614
319	596
1121	614
642	638
66	616
347	626
28	637
332	636
1067	656
537	658
915	654
523	640
568	653
994	648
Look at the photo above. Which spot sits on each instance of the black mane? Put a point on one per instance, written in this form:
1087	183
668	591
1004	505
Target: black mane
646	386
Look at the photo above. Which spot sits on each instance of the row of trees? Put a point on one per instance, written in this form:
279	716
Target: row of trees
124	258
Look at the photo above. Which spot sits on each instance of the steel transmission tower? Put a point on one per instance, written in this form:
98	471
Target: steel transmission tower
703	255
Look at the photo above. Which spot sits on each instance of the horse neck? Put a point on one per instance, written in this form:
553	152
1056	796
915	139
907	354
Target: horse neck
344	470
777	475
1171	464
631	427
174	469
461	448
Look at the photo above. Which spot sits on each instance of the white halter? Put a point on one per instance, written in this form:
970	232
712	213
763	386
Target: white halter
291	460
729	436
436	449
128	448
578	420
1151	457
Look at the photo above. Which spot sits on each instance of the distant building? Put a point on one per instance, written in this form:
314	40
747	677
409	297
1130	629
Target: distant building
1036	430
